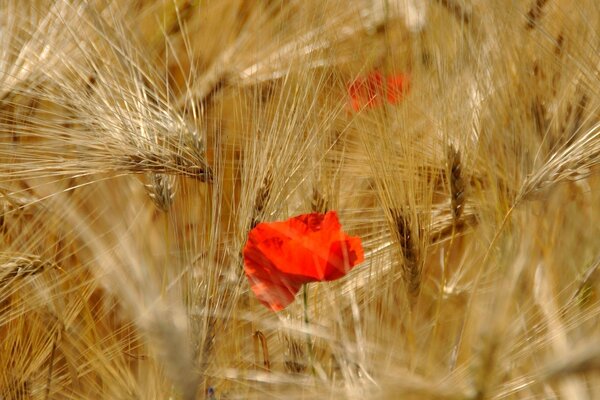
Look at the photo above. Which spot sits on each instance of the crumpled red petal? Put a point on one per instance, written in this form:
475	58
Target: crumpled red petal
397	85
366	91
280	257
373	90
273	290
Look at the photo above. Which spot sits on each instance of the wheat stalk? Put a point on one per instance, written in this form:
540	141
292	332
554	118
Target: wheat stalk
140	141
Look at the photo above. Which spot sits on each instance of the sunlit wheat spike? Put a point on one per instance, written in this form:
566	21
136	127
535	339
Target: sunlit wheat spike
161	190
262	196
535	13
318	201
141	140
14	267
457	183
586	281
408	241
574	160
103	99
574	118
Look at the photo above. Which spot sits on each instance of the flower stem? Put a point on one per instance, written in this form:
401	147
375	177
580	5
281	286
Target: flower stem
306	322
305	302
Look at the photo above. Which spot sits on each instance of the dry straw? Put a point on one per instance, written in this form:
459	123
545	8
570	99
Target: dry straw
140	141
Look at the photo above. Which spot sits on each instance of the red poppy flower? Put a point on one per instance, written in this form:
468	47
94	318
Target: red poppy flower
370	91
279	257
396	86
366	91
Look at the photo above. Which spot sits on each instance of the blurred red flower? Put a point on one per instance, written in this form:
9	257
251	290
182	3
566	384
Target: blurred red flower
279	257
370	91
396	86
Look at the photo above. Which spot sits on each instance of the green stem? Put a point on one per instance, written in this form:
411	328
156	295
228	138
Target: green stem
305	302
306	322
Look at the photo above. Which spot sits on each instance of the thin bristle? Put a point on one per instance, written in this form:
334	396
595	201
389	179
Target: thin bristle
456	141
15	267
318	202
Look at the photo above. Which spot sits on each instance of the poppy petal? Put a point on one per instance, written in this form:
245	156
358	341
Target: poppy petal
271	288
374	89
310	255
279	257
397	85
343	256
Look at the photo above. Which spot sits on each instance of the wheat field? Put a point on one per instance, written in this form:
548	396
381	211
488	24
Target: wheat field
141	140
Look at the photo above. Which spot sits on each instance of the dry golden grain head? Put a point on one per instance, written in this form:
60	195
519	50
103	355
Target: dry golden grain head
457	183
161	190
140	140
